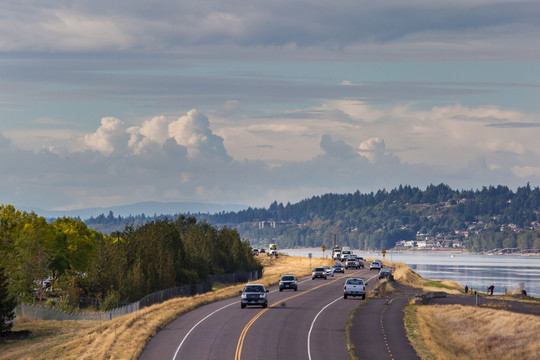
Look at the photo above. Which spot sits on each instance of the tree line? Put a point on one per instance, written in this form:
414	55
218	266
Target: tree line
124	266
379	219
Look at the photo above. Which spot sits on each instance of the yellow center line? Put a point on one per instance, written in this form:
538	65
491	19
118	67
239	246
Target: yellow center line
240	344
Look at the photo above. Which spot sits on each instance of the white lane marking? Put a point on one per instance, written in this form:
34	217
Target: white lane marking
197	324
371	278
200	321
215	311
319	313
313	323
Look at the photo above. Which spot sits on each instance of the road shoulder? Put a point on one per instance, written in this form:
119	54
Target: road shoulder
377	329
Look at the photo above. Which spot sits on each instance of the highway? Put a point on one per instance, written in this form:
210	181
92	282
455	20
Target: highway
306	324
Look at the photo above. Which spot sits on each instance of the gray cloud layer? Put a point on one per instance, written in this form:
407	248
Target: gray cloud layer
107	103
184	26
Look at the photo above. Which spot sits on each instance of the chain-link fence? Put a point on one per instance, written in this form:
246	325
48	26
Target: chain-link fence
33	312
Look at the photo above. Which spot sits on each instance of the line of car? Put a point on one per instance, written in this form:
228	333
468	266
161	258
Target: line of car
256	294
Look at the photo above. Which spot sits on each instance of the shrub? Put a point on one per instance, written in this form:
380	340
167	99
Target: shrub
111	300
51	303
7	304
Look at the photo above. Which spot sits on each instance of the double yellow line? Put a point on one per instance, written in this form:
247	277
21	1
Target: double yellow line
242	337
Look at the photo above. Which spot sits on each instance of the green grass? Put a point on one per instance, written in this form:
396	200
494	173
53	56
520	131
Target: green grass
218	286
411	327
431	283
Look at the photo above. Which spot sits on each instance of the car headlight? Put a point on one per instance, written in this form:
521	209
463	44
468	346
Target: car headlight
244	296
262	296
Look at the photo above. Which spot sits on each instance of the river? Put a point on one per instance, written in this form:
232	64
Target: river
477	271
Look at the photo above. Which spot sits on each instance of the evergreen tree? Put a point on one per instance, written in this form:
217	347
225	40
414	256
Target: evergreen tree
7	303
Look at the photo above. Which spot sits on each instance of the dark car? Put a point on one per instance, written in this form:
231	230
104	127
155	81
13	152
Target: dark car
338	268
386	273
254	294
288	282
318	272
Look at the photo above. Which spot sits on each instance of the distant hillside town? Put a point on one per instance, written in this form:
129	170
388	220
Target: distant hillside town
494	217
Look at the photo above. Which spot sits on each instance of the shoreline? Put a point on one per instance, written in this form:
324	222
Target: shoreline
417	251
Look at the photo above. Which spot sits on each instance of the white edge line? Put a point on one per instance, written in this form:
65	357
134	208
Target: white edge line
221	308
200	321
315	319
313	323
197	324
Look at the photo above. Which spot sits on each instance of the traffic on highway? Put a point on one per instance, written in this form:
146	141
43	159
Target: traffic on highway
307	323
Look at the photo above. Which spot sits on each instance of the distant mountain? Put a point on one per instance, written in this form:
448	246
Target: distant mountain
148	208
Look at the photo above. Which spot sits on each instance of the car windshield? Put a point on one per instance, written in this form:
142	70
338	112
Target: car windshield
317	269
355	282
254	288
287	278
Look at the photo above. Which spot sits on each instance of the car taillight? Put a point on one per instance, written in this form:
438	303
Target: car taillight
344	287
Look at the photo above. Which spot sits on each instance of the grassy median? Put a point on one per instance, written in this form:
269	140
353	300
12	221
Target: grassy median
126	336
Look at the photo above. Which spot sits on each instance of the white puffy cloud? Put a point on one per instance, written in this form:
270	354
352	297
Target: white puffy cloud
182	159
110	136
372	149
151	133
193	131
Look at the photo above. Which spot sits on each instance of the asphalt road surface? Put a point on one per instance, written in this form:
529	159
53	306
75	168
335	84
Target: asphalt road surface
306	324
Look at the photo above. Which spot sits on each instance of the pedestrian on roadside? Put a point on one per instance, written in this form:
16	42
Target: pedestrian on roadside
490	289
466	289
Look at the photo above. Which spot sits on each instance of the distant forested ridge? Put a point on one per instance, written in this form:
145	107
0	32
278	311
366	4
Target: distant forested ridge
478	220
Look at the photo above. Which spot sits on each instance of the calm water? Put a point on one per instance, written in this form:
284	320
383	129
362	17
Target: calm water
476	271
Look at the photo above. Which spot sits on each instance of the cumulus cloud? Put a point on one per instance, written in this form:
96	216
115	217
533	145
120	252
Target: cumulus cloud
110	136
336	148
372	149
153	132
182	159
193	131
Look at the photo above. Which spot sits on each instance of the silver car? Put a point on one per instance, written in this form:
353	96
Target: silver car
329	270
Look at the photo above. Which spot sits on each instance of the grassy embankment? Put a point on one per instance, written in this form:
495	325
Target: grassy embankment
466	332
126	336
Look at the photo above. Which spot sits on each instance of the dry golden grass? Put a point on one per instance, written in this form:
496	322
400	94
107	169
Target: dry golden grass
467	332
126	336
405	275
382	288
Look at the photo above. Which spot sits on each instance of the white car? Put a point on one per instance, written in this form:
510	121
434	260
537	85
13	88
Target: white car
354	287
329	270
375	265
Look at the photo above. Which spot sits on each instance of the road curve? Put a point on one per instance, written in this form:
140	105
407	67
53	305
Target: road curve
306	324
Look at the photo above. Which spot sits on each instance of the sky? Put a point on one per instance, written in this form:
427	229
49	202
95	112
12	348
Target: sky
247	102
